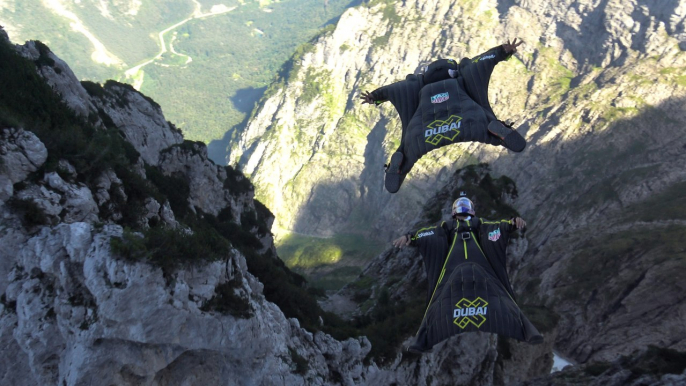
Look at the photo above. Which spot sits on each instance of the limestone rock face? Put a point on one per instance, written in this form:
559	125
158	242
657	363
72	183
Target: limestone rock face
78	202
13	238
470	359
206	180
208	183
560	85
107	185
73	311
59	200
598	92
83	314
140	119
476	365
60	77
21	153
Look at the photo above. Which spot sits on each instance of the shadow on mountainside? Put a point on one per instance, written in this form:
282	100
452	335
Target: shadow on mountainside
244	101
588	42
605	211
603	249
353	3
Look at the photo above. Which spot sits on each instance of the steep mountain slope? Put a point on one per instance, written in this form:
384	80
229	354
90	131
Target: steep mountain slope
127	257
598	90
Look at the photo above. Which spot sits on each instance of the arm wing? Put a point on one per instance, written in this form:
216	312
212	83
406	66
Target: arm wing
476	74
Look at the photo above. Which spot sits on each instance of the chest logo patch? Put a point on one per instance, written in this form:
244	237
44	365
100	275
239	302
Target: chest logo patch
440	98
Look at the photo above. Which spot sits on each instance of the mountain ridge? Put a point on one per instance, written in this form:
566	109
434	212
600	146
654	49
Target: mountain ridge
111	269
72	312
128	257
596	90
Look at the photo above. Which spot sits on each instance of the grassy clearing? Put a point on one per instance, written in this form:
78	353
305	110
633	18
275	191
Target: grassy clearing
557	76
673	75
299	251
328	263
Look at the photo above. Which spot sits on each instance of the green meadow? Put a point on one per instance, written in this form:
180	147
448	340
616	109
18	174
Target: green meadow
329	263
234	55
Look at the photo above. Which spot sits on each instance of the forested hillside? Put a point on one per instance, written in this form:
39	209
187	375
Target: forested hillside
216	66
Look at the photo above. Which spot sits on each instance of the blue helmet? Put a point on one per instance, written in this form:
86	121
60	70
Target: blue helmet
463	206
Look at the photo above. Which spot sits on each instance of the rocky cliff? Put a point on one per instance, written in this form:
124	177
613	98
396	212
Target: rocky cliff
597	90
124	251
561	87
391	293
129	258
110	271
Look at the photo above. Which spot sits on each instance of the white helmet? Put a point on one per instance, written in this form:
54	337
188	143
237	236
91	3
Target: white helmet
462	206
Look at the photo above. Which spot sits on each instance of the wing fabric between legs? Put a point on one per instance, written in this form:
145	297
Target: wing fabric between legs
472	299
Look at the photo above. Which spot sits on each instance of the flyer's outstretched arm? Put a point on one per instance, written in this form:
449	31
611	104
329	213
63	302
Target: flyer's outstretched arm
476	72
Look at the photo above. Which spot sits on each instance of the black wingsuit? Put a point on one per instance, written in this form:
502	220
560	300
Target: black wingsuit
437	110
469	289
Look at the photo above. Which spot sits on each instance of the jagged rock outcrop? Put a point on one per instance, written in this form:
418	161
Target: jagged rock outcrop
476	365
21	153
59	76
597	90
76	310
137	116
140	119
206	179
60	200
82	314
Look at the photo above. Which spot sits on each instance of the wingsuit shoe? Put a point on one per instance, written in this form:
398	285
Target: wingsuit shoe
394	178
509	137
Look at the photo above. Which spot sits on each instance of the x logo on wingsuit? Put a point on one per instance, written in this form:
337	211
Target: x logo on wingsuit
470	312
441	128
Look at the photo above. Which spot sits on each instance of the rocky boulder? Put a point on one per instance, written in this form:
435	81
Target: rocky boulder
82	313
59	76
139	118
21	153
